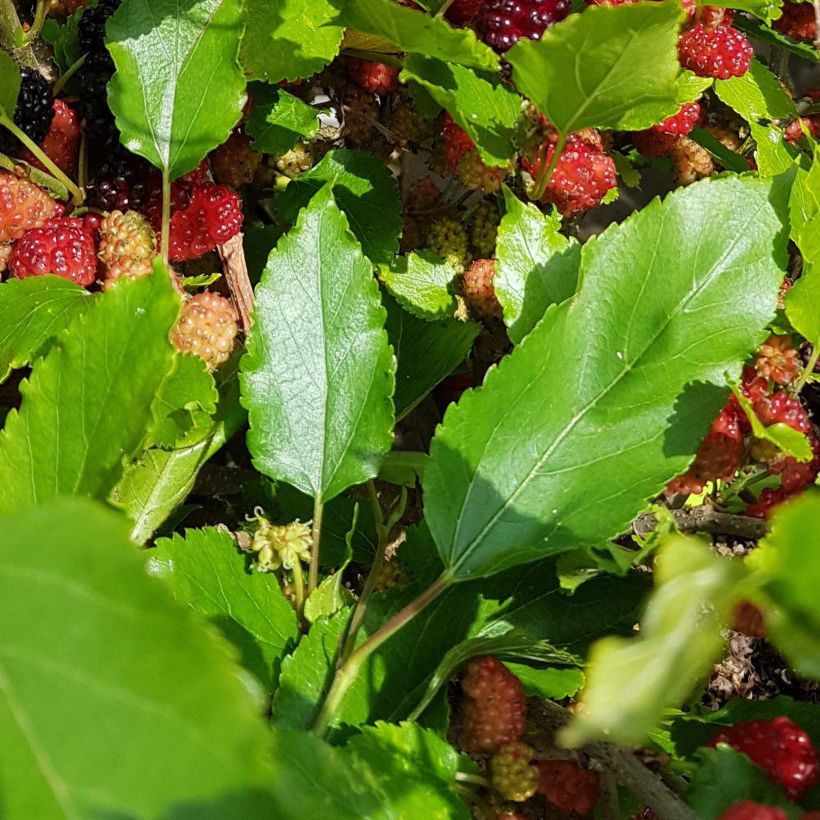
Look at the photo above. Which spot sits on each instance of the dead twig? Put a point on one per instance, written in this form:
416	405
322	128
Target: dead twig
705	519
232	254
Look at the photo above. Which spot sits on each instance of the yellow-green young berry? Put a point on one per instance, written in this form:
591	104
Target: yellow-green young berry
127	246
448	239
513	774
207	327
484	228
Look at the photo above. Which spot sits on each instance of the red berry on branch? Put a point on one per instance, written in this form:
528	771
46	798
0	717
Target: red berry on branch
567	786
63	247
721	52
462	12
477	284
748	810
504	22
798	21
62	142
778	360
780	747
377	78
23	206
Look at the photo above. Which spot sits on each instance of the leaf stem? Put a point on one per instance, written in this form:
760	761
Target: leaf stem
77	195
443	8
36	24
545	171
316	538
383	532
349	670
299	589
69	73
808	370
165	233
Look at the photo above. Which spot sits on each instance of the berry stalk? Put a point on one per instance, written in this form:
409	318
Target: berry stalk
165	224
383	530
24	38
349	670
77	196
69	73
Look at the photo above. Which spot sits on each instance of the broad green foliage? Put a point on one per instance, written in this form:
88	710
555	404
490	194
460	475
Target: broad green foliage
418	33
279	120
426	352
172	58
772	153
9	84
206	570
363	188
422	284
766	34
481	104
757	95
135	678
319	374
608	67
537	265
678	641
788	561
725	777
289	39
766	10
34	311
84	411
520	468
548	682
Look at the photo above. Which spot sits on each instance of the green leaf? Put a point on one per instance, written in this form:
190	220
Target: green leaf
330	596
725	777
548	683
34	311
725	156
512	644
772	154
186	401
756	29
366	192
88	402
160	481
170	68
679	640
802	300
206	570
327	781
64	40
519	468
409	754
537	265
422	284
279	120
418	33
87	640
757	95
426	352
318	376
766	10
486	108
289	39
10	80
788	440
787	563
608	67
307	673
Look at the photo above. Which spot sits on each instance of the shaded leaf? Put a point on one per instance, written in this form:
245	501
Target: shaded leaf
318	375
88	640
34	311
554	683
523	467
366	192
206	570
279	120
426	353
83	408
10	81
172	57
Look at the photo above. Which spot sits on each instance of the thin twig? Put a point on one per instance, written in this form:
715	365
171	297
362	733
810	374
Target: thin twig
621	763
232	254
705	519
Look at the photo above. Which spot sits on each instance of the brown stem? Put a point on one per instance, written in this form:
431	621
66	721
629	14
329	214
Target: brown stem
705	519
232	254
623	765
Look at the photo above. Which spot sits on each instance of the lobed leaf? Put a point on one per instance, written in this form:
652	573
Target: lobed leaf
318	375
623	379
172	57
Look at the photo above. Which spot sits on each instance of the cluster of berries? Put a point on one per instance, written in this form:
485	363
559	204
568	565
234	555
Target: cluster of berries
749	810
779	747
769	386
493	716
